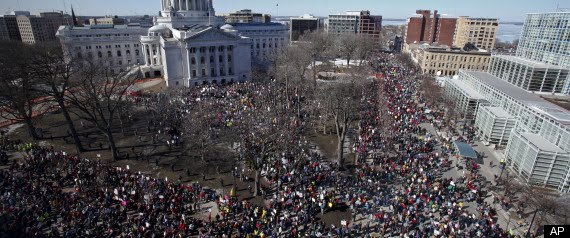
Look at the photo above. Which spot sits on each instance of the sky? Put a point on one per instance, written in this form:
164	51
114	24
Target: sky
505	10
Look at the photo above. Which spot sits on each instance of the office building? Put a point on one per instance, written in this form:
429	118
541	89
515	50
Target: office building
35	29
300	25
425	27
247	16
546	38
9	26
446	61
528	74
355	22
480	32
538	132
542	61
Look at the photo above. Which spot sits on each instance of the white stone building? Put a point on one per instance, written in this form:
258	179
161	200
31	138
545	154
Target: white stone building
187	45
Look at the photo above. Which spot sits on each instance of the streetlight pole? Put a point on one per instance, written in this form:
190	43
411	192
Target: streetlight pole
531	221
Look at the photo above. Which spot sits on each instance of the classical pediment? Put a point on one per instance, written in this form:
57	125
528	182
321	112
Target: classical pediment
212	34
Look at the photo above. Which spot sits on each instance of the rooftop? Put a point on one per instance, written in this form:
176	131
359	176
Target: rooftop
499	112
541	143
528	62
471	93
531	100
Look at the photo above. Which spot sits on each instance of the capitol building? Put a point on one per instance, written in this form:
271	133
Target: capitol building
187	46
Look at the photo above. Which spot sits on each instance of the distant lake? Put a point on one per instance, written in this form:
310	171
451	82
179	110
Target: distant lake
506	33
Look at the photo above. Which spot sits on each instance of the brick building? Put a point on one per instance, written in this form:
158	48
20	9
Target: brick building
430	28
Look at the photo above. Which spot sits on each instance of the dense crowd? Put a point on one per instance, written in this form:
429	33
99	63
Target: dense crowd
396	188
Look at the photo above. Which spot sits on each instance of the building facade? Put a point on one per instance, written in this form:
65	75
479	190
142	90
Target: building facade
266	39
481	32
546	38
107	21
118	47
300	25
9	26
43	28
445	61
529	75
430	28
542	58
247	16
538	145
187	46
355	22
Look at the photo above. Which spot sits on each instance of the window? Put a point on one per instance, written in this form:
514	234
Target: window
194	73
193	60
202	60
221	58
128	53
229	58
99	54
109	54
118	53
137	52
79	55
211	59
120	62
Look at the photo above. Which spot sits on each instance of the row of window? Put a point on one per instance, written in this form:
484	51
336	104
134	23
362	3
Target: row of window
88	47
109	54
203	60
101	35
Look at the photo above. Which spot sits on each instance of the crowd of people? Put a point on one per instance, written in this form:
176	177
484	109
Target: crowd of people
397	186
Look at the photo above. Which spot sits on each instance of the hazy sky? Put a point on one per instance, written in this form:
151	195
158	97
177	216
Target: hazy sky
506	10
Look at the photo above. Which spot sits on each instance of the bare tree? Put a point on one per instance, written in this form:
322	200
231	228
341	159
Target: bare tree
347	47
99	97
366	47
317	45
20	100
431	91
54	70
341	102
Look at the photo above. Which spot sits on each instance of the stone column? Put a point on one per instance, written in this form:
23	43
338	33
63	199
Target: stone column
217	61
152	55
226	63
148	54
208	66
189	63
198	62
187	2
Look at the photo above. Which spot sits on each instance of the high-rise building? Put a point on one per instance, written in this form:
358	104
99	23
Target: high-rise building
303	24
247	16
430	28
34	29
542	59
481	32
356	22
546	38
9	26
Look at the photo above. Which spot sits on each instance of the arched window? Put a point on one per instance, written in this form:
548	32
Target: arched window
119	53
202	60
128	53
193	60
109	54
99	54
137	52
